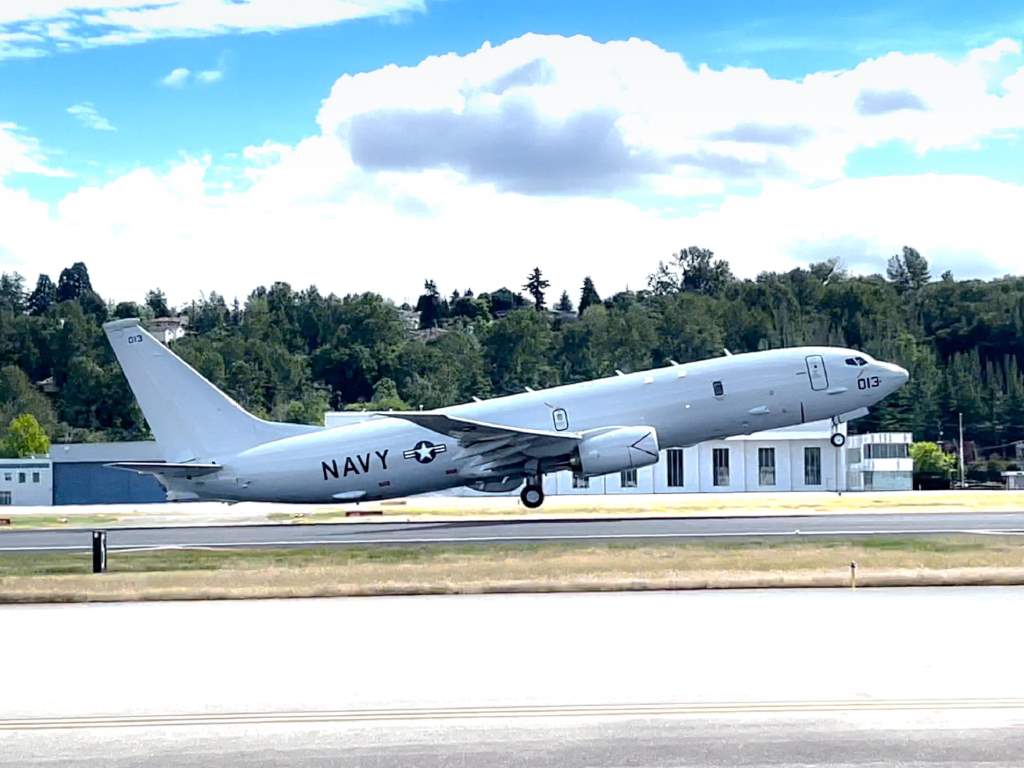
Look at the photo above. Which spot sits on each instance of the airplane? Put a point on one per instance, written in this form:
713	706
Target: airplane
214	449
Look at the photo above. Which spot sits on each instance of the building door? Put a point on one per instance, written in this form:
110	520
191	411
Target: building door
816	370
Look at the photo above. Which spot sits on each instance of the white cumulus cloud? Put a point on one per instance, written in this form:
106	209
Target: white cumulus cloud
210	75
582	157
21	153
176	78
40	27
87	115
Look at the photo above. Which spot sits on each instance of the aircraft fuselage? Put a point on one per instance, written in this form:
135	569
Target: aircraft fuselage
385	457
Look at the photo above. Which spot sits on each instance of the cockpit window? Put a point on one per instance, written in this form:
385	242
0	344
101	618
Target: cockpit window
860	360
851	361
857	361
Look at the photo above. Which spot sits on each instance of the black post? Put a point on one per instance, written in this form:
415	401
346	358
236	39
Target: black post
99	551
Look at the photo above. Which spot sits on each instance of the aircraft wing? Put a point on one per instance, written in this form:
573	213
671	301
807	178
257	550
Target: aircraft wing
489	449
167	469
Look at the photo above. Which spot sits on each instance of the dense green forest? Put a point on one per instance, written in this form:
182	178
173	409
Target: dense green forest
292	354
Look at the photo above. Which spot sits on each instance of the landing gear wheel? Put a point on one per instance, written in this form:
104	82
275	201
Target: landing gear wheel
838	439
532	496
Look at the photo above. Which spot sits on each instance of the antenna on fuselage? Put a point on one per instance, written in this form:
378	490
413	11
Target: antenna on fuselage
727	352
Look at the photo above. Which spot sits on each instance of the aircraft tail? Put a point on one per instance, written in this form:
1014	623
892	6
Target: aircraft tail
190	418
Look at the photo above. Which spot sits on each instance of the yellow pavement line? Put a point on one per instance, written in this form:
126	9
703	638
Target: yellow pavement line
561	711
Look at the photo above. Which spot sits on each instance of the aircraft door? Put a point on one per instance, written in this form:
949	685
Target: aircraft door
817	373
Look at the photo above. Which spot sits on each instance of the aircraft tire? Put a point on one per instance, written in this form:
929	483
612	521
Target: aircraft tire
838	439
532	496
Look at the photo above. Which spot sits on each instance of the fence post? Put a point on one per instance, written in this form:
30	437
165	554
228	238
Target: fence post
99	551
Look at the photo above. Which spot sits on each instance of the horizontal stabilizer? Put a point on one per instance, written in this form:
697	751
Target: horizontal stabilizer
187	471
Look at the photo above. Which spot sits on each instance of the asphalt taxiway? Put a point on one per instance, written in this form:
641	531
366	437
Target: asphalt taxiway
510	531
916	677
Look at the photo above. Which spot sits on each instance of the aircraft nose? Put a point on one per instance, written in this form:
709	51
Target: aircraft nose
897	374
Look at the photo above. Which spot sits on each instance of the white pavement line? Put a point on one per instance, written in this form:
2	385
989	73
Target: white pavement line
525	537
446	713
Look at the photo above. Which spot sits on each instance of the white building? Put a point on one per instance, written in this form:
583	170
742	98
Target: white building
799	458
880	462
26	482
1014	480
168	329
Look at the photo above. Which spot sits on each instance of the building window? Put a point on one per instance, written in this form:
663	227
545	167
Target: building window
766	466
8	477
578	481
853	455
886	451
676	464
812	466
35	477
627	479
5	498
718	389
720	463
21	477
869	481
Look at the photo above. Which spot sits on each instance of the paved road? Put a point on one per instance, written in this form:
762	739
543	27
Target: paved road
491	532
910	677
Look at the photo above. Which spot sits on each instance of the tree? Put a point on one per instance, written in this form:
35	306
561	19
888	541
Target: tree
907	271
535	286
929	459
25	438
564	303
692	269
73	282
43	297
430	306
18	396
588	295
385	398
12	293
157	302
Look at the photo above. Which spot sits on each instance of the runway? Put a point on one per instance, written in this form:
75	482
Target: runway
498	531
917	677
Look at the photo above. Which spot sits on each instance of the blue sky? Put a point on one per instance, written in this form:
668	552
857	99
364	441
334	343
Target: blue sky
268	86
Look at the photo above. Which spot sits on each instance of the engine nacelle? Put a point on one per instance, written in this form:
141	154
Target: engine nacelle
617	449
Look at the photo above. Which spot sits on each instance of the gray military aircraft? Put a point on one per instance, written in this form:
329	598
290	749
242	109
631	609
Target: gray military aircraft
214	449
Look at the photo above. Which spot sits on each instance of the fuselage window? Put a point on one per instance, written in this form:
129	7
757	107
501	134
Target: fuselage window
718	389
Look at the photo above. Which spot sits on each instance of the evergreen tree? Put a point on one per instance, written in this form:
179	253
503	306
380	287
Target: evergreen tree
12	293
73	282
535	286
564	303
588	295
429	305
43	297
157	302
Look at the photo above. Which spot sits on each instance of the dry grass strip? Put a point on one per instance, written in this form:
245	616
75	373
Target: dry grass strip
194	575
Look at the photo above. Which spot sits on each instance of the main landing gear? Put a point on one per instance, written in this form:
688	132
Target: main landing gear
838	439
532	495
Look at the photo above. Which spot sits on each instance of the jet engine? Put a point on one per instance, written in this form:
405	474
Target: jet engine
616	450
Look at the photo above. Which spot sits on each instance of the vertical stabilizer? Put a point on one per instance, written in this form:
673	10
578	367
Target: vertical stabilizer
191	419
